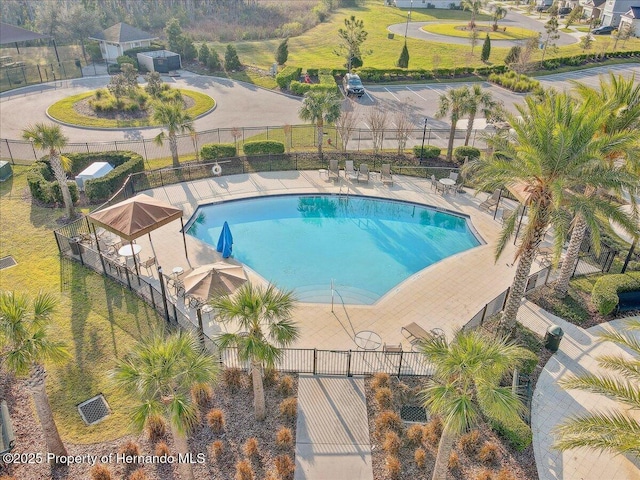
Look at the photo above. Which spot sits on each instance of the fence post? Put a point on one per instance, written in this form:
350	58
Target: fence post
400	364
315	361
349	363
484	312
10	154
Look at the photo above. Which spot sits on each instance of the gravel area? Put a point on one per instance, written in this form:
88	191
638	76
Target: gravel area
508	464
240	425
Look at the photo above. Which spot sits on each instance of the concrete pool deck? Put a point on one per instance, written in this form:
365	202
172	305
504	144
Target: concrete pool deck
445	295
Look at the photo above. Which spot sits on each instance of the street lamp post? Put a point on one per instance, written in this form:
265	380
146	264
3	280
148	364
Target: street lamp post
424	132
406	28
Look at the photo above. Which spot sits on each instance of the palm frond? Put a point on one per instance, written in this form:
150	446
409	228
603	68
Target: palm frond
624	366
622	391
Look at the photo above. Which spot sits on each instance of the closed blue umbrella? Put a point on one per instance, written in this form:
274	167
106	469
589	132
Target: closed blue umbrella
225	241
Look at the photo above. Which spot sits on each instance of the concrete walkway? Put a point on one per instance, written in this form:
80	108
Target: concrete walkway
332	435
552	404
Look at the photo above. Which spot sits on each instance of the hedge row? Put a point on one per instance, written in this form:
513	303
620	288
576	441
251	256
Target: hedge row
43	185
428	152
396	74
459	153
327	84
212	151
605	291
263	148
515	82
124	163
516	432
287	75
578	60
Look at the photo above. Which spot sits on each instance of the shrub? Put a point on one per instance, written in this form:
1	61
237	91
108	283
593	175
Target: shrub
213	151
388	421
504	474
244	471
251	447
217	448
605	291
264	147
156	428
429	151
285	386
215	420
231	59
469	442
201	393
454	461
130	449
285	466
162	449
270	377
414	434
459	153
139	474
232	378
393	466
484	474
287	75
515	81
515	432
380	380
289	407
43	186
420	457
384	398
284	437
528	363
100	472
488	453
431	431
391	443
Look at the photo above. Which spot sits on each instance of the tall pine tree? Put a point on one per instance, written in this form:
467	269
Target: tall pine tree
282	53
231	60
486	49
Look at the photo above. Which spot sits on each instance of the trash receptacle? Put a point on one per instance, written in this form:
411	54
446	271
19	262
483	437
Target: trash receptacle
552	338
74	243
390	36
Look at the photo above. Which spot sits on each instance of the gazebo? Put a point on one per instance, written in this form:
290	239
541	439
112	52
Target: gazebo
10	34
135	217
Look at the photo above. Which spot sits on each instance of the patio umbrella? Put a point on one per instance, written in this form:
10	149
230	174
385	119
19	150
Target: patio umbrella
225	241
220	278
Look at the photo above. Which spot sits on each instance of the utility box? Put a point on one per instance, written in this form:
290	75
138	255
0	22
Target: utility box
7	437
161	61
5	170
552	338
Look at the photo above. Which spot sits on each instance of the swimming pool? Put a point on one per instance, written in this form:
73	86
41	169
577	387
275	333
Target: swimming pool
363	246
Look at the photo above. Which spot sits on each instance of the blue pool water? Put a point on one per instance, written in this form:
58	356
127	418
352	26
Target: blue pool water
365	246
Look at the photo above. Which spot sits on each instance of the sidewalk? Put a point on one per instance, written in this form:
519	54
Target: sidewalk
332	434
553	404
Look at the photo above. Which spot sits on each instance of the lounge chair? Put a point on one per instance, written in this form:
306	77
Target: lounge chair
492	201
334	171
415	333
385	173
349	172
363	173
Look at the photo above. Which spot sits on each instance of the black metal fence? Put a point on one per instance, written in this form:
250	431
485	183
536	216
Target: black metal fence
17	74
300	137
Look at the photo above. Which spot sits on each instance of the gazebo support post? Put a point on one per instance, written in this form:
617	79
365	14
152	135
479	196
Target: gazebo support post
184	239
135	260
164	294
200	326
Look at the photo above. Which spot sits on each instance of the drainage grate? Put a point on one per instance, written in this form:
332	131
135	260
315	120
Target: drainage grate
412	413
6	262
94	410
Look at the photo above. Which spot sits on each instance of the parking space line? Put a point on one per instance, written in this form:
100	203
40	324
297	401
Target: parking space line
394	96
415	93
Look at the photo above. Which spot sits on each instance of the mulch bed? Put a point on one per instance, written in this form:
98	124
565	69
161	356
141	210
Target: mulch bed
240	425
509	465
84	108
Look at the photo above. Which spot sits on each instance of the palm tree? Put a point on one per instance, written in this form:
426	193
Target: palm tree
320	108
619	100
615	431
264	318
26	346
474	7
498	13
51	138
453	103
175	119
554	155
465	385
160	372
478	99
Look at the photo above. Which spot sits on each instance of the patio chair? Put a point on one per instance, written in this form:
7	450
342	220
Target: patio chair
415	333
363	173
506	215
385	174
453	176
492	201
334	171
350	172
434	183
148	264
392	348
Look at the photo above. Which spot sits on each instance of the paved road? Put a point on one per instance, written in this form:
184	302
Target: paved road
512	20
243	105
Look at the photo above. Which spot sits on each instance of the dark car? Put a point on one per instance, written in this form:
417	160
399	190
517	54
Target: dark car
542	8
564	11
352	85
606	30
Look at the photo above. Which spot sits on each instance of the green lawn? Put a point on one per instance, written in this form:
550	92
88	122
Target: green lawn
97	319
456	30
64	111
